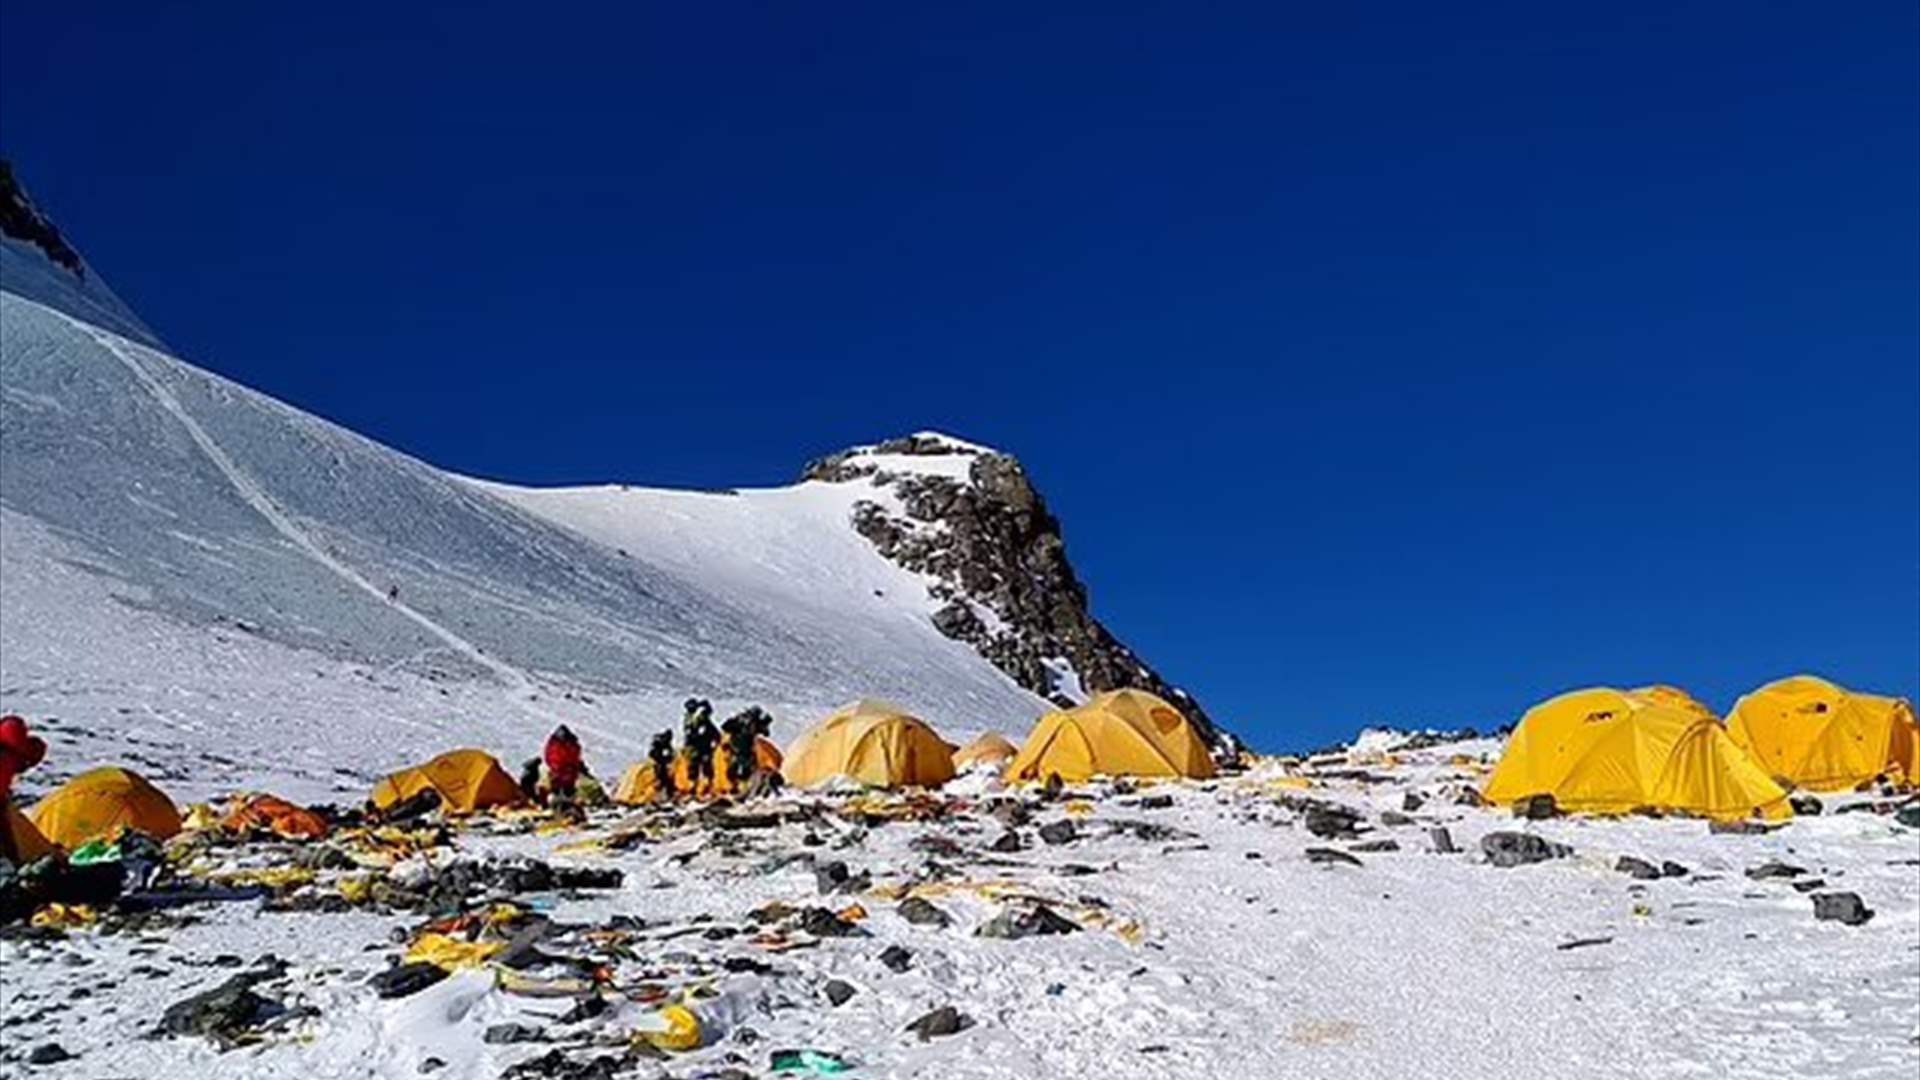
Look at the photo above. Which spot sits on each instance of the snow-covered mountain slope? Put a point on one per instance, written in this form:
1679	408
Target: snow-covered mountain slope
190	562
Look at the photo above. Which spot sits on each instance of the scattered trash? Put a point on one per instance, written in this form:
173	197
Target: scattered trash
810	1062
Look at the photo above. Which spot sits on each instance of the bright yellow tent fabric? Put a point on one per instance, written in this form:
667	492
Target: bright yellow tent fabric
1604	751
1673	697
874	743
467	780
1118	733
22	842
99	803
636	785
1811	733
991	748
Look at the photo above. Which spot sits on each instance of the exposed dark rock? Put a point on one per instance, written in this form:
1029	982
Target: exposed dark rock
1771	871
1062	831
1366	847
897	958
823	923
223	1014
22	221
945	1020
1008	841
512	1033
1442	840
1841	907
1331	857
1806	805
991	545
1332	822
556	1065
48	1054
1669	868
1637	868
1510	849
922	912
1035	921
838	992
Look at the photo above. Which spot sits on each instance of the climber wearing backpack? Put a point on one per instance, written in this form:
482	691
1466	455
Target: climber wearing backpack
742	730
661	754
701	738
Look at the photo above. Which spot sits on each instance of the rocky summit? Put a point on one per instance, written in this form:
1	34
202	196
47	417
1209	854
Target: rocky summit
996	564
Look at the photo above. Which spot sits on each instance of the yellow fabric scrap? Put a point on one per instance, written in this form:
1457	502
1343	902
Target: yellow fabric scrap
450	953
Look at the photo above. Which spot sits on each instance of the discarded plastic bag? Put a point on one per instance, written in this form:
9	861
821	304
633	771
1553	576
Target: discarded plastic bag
812	1062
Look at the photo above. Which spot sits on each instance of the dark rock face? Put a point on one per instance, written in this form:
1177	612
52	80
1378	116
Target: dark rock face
992	546
20	220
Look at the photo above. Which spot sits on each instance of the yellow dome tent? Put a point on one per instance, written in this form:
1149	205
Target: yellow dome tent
19	840
1673	697
1808	732
1118	733
99	803
636	785
467	780
1602	751
991	748
874	743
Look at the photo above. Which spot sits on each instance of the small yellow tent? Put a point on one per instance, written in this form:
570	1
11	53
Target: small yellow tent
99	803
1118	733
1808	732
636	785
20	842
1673	697
874	743
467	780
1602	751
991	748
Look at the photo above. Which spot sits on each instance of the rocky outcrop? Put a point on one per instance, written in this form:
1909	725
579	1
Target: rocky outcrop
997	566
20	220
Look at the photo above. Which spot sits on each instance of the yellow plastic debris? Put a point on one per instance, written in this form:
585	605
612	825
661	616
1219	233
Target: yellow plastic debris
273	877
450	953
65	916
200	816
681	1031
1079	808
852	913
356	888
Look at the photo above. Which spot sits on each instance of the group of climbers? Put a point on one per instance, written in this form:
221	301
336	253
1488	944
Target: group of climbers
727	757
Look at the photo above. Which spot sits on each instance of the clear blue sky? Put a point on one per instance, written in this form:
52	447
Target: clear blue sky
1386	362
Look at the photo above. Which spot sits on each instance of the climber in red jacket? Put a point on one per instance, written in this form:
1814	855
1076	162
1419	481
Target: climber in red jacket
19	751
564	765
